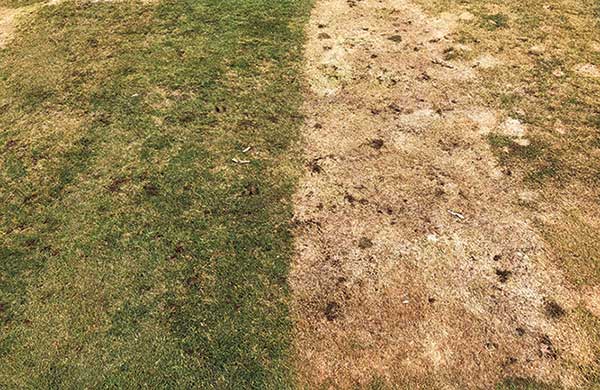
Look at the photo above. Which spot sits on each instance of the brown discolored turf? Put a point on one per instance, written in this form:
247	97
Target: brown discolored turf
413	264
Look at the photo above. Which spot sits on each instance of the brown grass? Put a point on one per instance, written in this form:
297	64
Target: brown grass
7	24
420	261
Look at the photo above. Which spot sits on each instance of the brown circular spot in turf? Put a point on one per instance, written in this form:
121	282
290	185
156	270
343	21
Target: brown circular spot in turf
365	243
553	309
332	311
251	189
503	275
151	189
377	143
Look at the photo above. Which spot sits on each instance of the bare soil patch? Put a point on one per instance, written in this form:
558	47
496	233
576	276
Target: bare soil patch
414	265
7	24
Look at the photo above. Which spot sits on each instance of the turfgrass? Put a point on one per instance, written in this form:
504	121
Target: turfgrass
133	251
18	3
543	47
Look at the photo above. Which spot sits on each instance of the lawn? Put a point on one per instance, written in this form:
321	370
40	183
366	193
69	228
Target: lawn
146	167
545	83
548	56
149	155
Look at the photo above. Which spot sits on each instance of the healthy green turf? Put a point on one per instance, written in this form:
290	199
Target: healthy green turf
134	253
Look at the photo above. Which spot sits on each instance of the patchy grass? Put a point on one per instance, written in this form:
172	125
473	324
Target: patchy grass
576	242
547	82
494	22
592	325
533	158
18	3
518	383
543	46
133	251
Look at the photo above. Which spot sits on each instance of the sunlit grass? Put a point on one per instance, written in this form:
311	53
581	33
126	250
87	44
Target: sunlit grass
541	47
133	251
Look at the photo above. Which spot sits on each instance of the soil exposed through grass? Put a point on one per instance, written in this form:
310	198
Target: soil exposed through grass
7	24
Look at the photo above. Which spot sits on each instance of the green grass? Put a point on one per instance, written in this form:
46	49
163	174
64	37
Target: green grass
519	383
534	158
133	251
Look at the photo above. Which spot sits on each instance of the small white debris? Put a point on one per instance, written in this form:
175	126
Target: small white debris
522	142
246	150
135	95
456	214
442	63
237	161
432	238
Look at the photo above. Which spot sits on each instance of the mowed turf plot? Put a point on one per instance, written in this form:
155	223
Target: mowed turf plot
146	167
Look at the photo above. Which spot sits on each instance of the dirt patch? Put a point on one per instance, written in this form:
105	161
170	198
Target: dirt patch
591	300
417	267
589	70
8	18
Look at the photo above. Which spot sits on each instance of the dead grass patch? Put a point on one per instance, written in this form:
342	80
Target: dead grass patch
457	287
8	23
